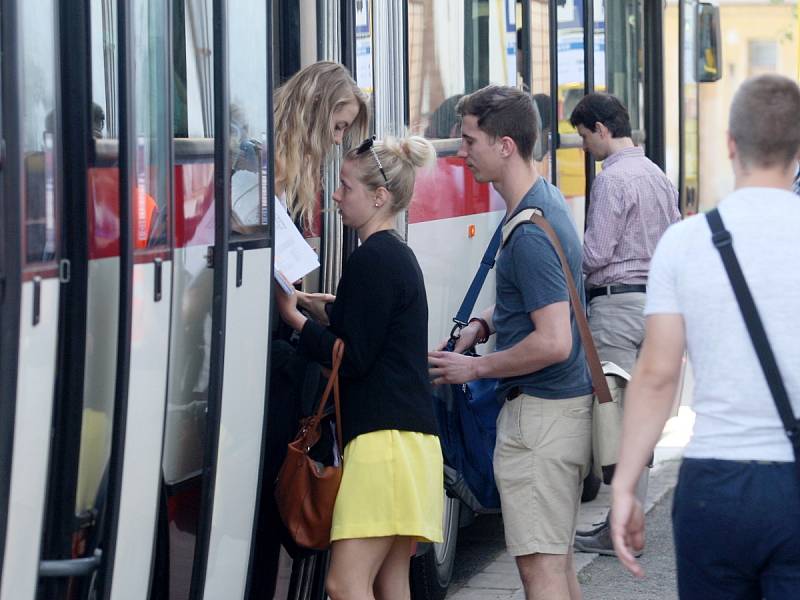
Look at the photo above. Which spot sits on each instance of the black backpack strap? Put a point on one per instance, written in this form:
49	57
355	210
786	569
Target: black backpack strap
723	241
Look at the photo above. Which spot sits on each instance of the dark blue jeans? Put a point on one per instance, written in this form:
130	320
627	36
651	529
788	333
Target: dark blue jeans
737	530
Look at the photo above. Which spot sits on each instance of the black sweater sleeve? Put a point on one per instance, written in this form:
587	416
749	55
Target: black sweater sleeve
360	316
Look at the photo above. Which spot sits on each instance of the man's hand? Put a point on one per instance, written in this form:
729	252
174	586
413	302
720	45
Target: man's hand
627	528
315	305
466	340
451	367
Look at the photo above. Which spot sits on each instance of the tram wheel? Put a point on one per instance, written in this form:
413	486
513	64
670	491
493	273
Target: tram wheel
432	571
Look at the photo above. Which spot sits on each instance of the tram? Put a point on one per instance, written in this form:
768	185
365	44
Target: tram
135	320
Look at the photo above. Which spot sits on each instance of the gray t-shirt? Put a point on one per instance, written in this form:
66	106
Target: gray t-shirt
529	277
736	418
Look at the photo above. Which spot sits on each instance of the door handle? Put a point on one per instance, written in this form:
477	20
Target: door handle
157	264
37	300
239	265
71	567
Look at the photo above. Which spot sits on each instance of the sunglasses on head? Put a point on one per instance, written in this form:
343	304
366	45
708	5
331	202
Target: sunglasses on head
367	145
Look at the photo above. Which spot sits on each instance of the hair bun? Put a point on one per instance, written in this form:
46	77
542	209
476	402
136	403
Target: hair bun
414	150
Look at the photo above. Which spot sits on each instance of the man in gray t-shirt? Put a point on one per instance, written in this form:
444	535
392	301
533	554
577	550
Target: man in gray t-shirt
544	426
736	515
529	277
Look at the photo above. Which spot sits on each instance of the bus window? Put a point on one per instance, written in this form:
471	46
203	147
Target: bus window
455	48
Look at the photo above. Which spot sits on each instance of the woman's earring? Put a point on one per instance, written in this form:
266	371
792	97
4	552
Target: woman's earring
377	205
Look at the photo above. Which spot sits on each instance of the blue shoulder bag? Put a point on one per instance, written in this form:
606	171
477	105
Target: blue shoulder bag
467	414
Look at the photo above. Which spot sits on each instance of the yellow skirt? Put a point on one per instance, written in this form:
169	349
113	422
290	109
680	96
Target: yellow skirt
392	484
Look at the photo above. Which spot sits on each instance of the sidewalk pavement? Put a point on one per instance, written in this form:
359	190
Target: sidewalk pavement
499	579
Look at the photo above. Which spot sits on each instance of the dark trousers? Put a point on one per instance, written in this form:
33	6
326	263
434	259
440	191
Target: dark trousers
737	530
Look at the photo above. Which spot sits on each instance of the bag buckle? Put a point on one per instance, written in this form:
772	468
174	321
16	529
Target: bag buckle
722	238
455	333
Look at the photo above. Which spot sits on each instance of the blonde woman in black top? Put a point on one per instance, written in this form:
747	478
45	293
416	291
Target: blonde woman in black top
391	492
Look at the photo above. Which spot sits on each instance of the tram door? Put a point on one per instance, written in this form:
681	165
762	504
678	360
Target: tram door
219	336
30	291
145	289
236	428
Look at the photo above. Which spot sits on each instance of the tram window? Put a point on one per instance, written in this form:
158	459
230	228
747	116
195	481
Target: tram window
364	47
624	56
709	64
539	76
103	35
454	48
193	69
150	163
570	160
248	117
38	129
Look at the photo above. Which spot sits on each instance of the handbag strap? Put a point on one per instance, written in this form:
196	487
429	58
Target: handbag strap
723	242
333	384
536	216
487	263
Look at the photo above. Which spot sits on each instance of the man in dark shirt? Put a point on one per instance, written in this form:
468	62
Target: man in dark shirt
544	428
632	204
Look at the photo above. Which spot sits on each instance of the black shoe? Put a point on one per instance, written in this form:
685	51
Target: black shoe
598	541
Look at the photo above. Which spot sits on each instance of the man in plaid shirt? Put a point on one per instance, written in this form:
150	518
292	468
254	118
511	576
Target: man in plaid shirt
632	203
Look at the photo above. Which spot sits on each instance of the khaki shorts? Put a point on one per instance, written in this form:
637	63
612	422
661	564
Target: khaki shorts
542	455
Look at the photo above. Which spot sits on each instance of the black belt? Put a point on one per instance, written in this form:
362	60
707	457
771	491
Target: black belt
513	393
622	288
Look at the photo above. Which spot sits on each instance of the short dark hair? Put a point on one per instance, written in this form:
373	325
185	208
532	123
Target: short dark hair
765	121
503	111
602	108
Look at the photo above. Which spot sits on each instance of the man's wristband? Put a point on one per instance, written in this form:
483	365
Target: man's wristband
485	331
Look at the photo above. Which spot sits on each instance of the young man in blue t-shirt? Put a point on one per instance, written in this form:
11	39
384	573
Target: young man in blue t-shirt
544	428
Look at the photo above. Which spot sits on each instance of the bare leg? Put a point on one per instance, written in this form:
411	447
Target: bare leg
548	576
572	578
392	580
354	566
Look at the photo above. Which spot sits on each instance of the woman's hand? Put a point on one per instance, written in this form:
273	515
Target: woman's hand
287	307
315	305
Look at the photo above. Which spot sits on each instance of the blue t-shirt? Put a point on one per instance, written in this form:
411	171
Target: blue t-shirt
529	277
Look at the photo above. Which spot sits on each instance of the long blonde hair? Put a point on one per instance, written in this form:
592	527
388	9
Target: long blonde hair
303	137
400	159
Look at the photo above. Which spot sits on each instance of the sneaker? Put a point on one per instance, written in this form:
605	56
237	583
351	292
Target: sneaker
597	541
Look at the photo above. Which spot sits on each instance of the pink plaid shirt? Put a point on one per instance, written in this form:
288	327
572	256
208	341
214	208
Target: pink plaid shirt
632	204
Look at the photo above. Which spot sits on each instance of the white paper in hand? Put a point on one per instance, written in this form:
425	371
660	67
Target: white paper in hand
294	258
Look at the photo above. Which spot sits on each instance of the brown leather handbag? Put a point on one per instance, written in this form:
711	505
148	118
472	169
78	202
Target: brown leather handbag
306	490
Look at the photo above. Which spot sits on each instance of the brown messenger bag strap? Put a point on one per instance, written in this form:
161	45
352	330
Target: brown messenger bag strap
333	384
592	358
